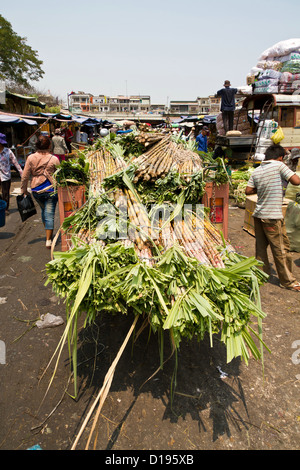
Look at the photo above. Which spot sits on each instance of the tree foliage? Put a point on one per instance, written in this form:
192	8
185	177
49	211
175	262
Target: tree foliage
18	61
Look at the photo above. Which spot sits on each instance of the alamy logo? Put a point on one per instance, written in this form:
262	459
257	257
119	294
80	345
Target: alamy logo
296	354
2	353
135	221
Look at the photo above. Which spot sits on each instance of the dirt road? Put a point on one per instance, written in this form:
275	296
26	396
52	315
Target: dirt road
217	406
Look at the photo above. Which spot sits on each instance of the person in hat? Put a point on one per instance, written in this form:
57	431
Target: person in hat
201	139
292	162
7	158
227	95
59	146
292	159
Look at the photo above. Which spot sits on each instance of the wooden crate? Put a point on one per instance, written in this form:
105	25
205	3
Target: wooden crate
217	199
250	208
70	199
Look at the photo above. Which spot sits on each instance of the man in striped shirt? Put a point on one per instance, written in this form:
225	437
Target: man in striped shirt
267	181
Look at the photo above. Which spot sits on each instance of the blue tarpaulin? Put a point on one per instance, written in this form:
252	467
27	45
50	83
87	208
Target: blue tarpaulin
11	119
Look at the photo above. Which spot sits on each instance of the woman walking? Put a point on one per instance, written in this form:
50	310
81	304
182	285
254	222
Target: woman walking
40	166
59	146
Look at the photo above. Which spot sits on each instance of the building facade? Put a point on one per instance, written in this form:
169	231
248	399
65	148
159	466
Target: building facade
139	104
85	102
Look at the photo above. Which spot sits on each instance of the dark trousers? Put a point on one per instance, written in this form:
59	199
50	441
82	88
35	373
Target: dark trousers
228	120
5	190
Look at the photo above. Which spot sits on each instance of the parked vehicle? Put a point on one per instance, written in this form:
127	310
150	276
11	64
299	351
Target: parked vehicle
283	109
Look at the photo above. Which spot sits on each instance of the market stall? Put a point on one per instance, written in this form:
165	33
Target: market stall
17	129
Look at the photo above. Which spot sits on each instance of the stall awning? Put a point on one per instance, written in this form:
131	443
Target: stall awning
16	119
209	119
30	99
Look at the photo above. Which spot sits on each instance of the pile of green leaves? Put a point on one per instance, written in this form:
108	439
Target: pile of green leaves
177	294
131	147
215	169
85	218
239	180
74	171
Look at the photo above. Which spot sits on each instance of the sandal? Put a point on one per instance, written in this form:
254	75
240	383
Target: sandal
295	287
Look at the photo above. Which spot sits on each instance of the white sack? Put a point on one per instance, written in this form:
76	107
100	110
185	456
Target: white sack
281	48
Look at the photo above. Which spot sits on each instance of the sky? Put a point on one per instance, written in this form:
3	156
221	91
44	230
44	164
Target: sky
168	49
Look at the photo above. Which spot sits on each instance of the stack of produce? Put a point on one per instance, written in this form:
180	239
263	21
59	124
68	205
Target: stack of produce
240	122
149	138
278	68
164	157
239	180
184	279
102	163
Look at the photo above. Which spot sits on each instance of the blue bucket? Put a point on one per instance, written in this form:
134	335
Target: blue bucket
2	212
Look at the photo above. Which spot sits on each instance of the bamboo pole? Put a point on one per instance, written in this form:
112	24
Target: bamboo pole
104	391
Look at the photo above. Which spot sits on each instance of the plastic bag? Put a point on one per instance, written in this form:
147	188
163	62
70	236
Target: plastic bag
292	223
26	207
278	136
49	321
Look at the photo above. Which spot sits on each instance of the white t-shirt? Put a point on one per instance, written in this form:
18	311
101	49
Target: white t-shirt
268	180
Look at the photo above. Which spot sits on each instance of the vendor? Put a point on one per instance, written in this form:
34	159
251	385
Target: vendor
269	224
7	158
33	140
292	159
201	140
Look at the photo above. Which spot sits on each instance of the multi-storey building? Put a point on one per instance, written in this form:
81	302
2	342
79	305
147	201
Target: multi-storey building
203	105
214	104
140	104
209	105
80	102
86	102
183	107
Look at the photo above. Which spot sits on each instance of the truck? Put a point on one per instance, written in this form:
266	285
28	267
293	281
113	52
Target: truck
283	109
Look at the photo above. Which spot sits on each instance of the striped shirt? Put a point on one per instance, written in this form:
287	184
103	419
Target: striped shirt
268	180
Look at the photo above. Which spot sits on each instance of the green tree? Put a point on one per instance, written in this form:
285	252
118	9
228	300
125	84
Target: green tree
18	61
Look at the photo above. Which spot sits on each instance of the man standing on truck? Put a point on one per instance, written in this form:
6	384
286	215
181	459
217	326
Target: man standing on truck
269	225
227	95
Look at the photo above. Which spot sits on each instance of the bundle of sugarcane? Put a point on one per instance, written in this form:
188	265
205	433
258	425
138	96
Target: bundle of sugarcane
149	138
193	235
188	162
144	127
138	218
163	157
104	162
97	169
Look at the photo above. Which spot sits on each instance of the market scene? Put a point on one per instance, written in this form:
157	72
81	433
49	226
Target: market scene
150	268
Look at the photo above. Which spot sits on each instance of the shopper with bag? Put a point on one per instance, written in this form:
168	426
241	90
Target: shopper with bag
7	158
40	167
270	230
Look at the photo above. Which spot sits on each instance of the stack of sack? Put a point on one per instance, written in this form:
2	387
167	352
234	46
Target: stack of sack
278	69
240	122
264	134
289	83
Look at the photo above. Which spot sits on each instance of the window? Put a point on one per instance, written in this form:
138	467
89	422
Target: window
287	117
297	117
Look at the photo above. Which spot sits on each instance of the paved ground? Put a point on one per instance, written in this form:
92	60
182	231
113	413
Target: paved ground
241	410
